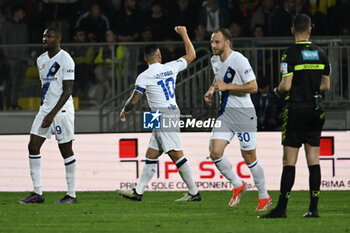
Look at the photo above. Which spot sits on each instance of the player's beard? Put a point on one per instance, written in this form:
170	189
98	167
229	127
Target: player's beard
218	51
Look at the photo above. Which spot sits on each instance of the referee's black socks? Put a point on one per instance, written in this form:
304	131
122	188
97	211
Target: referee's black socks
287	182
314	185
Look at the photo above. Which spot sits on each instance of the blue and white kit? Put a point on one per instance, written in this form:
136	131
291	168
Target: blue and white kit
237	113
158	82
53	71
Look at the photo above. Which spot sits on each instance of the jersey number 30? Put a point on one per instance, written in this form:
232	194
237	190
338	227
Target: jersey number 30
168	87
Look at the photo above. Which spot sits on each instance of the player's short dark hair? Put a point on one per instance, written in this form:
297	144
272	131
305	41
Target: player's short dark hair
301	23
56	30
150	50
225	32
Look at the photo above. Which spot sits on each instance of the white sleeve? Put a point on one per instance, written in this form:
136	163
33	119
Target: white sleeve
141	84
245	70
215	64
37	64
178	65
68	68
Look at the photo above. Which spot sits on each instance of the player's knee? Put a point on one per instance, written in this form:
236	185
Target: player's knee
33	148
67	152
215	154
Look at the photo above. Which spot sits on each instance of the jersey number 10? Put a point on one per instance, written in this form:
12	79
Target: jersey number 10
168	87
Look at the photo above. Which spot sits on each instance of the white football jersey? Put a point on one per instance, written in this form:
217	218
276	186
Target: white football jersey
234	70
158	82
52	72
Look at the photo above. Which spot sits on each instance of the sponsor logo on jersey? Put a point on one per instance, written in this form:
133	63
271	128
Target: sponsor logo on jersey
70	71
50	79
247	71
310	55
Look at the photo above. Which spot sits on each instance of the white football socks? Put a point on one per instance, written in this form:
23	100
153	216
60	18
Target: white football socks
185	171
35	172
70	174
148	170
259	179
225	167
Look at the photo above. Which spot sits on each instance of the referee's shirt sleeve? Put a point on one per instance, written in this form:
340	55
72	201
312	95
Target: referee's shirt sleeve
286	66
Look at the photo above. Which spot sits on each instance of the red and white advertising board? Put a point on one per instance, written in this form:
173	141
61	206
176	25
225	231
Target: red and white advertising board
112	161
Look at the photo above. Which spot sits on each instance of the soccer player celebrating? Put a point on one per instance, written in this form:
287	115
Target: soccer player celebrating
235	80
158	82
56	114
305	72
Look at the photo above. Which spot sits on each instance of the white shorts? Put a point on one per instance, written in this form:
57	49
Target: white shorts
62	126
240	121
165	141
247	140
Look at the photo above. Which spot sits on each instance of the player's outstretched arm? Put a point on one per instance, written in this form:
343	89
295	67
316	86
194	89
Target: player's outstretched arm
190	52
129	105
67	91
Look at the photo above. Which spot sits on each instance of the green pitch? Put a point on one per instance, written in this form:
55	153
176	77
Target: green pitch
108	212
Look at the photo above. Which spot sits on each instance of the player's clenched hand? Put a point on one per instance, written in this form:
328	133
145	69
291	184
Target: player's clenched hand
181	30
208	96
123	115
47	120
220	85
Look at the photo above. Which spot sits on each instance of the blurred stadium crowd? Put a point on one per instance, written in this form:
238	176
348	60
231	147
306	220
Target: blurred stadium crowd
112	21
145	20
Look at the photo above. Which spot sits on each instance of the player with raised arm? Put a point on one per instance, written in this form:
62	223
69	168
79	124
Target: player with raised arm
158	82
56	114
235	80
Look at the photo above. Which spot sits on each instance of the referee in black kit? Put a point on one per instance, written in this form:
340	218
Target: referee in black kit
305	72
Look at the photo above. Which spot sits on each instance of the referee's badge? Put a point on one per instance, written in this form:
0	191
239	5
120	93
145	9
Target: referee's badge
284	68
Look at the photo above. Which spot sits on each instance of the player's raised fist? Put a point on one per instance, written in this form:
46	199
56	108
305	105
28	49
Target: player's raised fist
181	30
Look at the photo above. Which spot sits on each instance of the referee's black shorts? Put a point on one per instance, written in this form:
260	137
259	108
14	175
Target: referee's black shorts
302	125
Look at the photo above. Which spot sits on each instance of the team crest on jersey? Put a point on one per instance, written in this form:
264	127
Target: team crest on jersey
42	67
53	70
